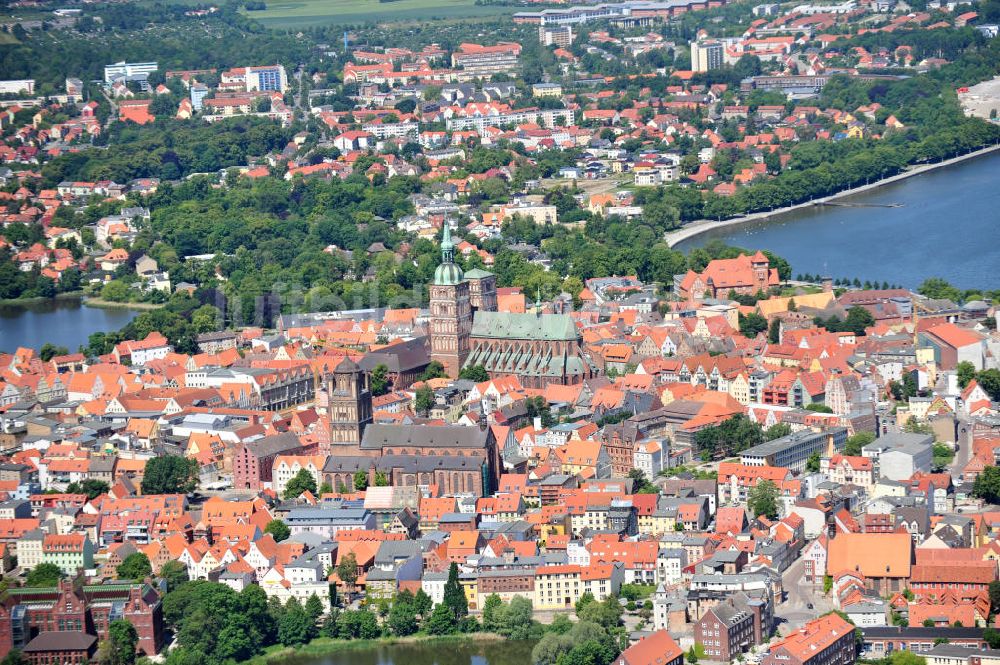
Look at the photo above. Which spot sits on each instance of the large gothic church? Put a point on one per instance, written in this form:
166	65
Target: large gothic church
466	330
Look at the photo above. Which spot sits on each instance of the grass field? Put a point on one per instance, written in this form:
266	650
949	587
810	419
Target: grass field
305	13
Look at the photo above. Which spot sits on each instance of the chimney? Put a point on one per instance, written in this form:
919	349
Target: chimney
537	422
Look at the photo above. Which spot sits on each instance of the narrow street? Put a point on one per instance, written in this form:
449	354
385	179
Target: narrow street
799	594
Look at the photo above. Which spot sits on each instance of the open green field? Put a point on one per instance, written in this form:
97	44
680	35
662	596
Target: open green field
306	13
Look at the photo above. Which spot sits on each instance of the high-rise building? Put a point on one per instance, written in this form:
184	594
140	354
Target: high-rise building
555	35
451	310
268	78
198	93
706	55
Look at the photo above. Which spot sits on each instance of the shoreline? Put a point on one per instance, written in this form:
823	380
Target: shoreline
701	226
94	301
68	295
322	646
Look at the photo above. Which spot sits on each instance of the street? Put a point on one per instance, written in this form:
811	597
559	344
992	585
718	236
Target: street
794	611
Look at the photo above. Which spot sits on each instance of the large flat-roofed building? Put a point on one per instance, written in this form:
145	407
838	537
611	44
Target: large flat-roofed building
793	451
474	58
901	455
17	87
128	70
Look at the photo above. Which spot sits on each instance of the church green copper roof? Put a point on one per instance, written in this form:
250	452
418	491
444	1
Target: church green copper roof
505	325
448	273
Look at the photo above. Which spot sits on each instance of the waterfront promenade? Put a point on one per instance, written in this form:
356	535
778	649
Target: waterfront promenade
698	227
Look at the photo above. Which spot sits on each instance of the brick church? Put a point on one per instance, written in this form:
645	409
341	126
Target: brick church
457	459
466	330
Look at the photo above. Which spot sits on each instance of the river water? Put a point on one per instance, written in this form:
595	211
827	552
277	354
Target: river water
444	653
62	322
948	226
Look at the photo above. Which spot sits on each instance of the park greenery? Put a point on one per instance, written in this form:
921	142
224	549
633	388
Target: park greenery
214	624
170	474
734	435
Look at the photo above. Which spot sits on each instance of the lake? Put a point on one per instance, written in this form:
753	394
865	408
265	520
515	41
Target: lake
62	322
948	226
443	653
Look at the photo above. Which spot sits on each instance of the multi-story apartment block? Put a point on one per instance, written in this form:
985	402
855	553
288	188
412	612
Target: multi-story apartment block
503	57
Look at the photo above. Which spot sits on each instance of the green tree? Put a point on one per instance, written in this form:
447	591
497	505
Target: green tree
174	573
989	380
380	380
296	627
994	591
170	474
856	442
91	487
424	400
49	351
14	657
361	481
115	291
402	618
858	318
423	604
906	657
607	613
44	575
434	370
813	463
347	570
752	324
937	288
966	372
278	530
641	484
206	318
762	499
314	608
777	431
441	621
585	599
135	566
987	485
475	373
454	594
121	643
302	481
692	657
774	331
492	613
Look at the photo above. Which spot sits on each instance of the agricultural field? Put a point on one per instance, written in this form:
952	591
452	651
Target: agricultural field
306	13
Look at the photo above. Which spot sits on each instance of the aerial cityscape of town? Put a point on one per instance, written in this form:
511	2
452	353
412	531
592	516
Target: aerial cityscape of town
441	332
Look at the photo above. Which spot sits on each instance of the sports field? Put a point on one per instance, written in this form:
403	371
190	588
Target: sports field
305	13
